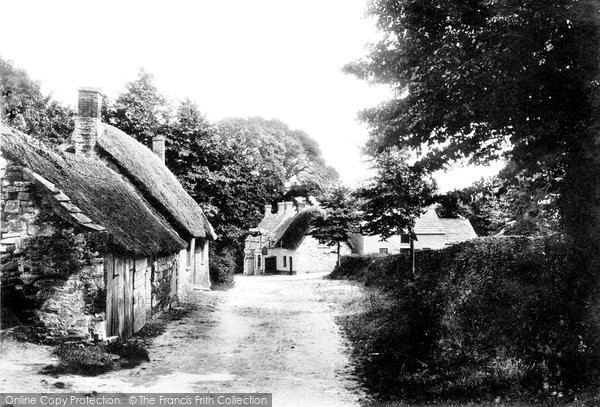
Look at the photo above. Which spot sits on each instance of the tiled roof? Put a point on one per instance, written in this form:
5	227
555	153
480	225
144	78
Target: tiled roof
270	222
457	230
429	224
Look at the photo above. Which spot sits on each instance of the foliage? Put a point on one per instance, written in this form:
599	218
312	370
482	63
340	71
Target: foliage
486	78
223	266
141	110
396	195
501	205
93	360
340	218
478	319
25	108
63	251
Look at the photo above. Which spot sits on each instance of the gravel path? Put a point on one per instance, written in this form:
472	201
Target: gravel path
268	334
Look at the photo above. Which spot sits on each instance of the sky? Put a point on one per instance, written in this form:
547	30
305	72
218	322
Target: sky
235	58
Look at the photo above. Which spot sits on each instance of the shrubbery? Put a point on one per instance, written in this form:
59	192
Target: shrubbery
222	267
489	317
93	360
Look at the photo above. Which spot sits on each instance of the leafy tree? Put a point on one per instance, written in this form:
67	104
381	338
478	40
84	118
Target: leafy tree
25	108
141	111
471	77
503	206
395	197
339	219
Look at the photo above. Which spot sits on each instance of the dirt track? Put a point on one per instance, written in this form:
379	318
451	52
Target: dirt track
269	334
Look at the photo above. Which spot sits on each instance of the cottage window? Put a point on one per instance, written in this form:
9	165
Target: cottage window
383	250
284	261
404	238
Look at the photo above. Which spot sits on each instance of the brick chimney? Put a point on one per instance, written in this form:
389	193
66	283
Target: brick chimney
88	122
267	210
158	147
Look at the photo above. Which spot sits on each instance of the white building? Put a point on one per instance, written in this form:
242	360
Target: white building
432	233
281	243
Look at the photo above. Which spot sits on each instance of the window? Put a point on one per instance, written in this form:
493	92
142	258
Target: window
383	250
404	238
258	259
284	261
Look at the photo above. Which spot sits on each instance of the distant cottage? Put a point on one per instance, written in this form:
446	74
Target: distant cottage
281	243
99	237
432	232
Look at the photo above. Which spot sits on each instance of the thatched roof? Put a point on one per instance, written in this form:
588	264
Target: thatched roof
158	185
291	232
102	195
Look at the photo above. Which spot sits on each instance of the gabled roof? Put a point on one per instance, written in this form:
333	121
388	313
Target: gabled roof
158	185
429	224
270	222
458	230
102	195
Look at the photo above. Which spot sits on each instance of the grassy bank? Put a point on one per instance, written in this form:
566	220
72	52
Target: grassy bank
487	320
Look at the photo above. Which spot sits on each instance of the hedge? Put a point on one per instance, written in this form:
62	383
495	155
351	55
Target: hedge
488	317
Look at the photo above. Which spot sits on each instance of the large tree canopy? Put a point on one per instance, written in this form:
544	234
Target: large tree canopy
480	78
232	167
470	75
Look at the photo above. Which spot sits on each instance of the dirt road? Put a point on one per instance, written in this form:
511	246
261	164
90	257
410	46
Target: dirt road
268	334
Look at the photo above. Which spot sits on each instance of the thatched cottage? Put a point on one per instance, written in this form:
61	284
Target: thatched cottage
281	243
98	237
432	232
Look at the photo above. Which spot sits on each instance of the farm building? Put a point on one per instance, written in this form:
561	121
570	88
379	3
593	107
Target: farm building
97	236
432	232
281	243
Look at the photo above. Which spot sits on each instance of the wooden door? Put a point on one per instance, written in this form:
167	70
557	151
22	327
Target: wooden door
119	294
270	265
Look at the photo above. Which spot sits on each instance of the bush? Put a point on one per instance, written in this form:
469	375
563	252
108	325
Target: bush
481	318
222	266
93	360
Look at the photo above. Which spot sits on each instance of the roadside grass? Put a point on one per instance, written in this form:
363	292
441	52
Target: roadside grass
96	359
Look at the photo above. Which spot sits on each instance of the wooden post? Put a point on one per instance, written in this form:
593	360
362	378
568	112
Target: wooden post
412	251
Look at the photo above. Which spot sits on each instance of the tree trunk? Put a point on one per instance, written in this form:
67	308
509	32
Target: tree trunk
338	254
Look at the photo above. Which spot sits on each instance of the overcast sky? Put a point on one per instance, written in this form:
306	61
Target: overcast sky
271	58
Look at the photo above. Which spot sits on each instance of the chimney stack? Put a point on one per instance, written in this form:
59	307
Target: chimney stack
280	208
267	210
289	207
158	147
87	122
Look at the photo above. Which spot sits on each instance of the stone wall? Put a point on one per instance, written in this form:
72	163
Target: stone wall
164	271
51	278
18	213
72	308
